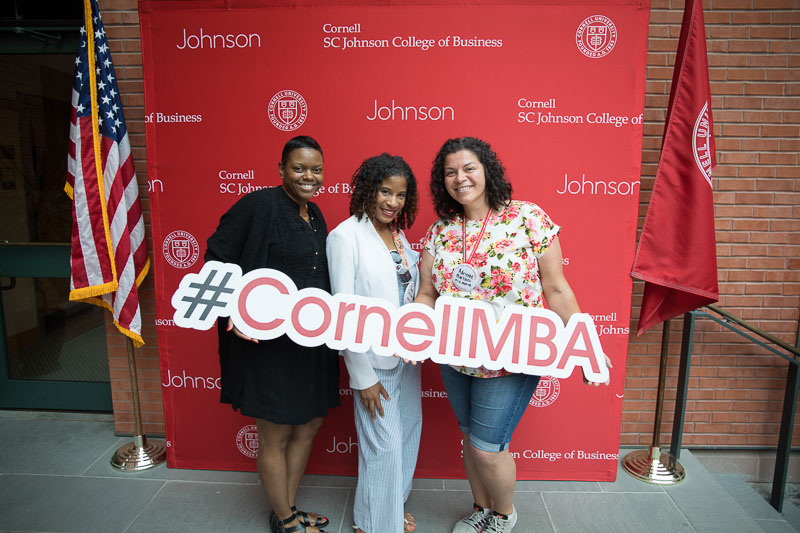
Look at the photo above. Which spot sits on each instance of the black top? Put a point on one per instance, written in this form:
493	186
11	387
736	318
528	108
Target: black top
276	380
264	230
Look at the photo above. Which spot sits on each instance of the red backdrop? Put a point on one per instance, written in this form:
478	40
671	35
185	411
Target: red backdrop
558	90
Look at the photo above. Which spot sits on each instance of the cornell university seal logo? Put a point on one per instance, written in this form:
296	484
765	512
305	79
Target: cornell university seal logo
287	110
596	36
180	249
702	144
247	441
546	392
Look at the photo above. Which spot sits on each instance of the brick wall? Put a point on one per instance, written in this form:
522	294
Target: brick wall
736	389
121	19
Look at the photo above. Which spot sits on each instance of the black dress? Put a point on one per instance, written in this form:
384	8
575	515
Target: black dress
276	380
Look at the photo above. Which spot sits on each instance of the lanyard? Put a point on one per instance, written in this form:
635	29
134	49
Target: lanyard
399	245
464	237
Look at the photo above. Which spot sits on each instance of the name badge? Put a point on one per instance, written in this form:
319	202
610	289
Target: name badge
465	277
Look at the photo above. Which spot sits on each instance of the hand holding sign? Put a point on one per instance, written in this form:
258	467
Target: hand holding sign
596	383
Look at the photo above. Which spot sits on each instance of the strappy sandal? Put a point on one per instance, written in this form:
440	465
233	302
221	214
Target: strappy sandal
409	523
320	521
281	526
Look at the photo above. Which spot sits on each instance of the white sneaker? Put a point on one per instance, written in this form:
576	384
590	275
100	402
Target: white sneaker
473	523
500	523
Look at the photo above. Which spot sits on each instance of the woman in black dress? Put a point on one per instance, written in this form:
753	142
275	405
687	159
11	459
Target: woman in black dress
288	388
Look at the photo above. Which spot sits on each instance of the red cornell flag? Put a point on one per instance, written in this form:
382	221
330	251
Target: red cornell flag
109	253
677	256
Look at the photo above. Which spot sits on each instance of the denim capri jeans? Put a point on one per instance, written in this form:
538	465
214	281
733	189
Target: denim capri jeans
488	409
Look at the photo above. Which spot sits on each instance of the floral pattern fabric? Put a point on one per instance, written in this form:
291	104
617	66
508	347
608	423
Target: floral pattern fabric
507	259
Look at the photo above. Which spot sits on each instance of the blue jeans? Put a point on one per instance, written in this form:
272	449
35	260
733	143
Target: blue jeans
488	409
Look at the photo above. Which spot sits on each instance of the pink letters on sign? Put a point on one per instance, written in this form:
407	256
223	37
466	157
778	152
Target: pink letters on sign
249	320
404	329
358	323
344	308
326	321
479	318
580	333
380	311
546	341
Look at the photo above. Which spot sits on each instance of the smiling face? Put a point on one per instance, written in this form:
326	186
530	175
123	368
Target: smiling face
390	200
301	174
465	180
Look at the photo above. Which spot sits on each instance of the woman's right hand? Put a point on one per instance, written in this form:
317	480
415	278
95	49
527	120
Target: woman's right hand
238	333
413	362
371	398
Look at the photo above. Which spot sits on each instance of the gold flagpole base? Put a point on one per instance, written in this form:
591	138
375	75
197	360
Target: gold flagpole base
654	466
141	454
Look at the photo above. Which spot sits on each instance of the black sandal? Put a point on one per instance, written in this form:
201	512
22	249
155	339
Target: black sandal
280	526
321	521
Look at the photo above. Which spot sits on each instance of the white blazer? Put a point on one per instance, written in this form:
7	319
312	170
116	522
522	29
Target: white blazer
359	263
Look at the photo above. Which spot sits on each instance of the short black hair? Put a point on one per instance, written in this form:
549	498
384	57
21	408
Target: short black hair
498	189
367	180
301	141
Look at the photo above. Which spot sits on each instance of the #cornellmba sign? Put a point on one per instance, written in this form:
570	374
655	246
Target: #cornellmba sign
265	304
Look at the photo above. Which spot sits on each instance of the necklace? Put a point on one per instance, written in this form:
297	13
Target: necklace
401	265
398	244
465	276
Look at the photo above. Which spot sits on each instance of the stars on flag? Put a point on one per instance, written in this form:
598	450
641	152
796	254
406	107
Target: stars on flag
109	106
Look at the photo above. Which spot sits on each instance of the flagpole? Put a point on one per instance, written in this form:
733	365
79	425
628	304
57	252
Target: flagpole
97	245
683	185
140	454
653	465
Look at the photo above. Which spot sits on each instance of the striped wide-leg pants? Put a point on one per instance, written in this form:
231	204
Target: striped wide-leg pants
387	451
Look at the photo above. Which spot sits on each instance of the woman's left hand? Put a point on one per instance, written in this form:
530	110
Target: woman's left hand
594	383
371	398
238	333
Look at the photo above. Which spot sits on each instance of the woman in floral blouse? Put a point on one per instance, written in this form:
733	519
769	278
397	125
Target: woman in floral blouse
511	255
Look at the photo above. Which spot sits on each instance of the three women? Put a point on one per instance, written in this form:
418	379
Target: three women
484	246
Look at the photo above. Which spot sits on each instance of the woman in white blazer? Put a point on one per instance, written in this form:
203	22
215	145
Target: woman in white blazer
368	255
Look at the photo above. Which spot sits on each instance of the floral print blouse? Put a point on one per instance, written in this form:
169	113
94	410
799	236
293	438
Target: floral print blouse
506	259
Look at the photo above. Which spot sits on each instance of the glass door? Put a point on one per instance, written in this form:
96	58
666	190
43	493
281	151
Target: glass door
53	352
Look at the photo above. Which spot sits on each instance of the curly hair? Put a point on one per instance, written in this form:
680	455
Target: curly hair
498	189
367	180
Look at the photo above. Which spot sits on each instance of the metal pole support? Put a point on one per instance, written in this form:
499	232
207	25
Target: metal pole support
140	454
687	342
653	465
785	439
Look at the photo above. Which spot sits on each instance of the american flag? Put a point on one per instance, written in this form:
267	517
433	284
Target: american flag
109	252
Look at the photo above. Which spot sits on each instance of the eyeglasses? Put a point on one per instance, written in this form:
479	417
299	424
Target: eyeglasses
402	271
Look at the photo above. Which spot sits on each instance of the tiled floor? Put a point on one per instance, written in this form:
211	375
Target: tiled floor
55	476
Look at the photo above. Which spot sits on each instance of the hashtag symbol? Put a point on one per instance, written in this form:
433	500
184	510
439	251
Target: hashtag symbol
209	303
205	296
